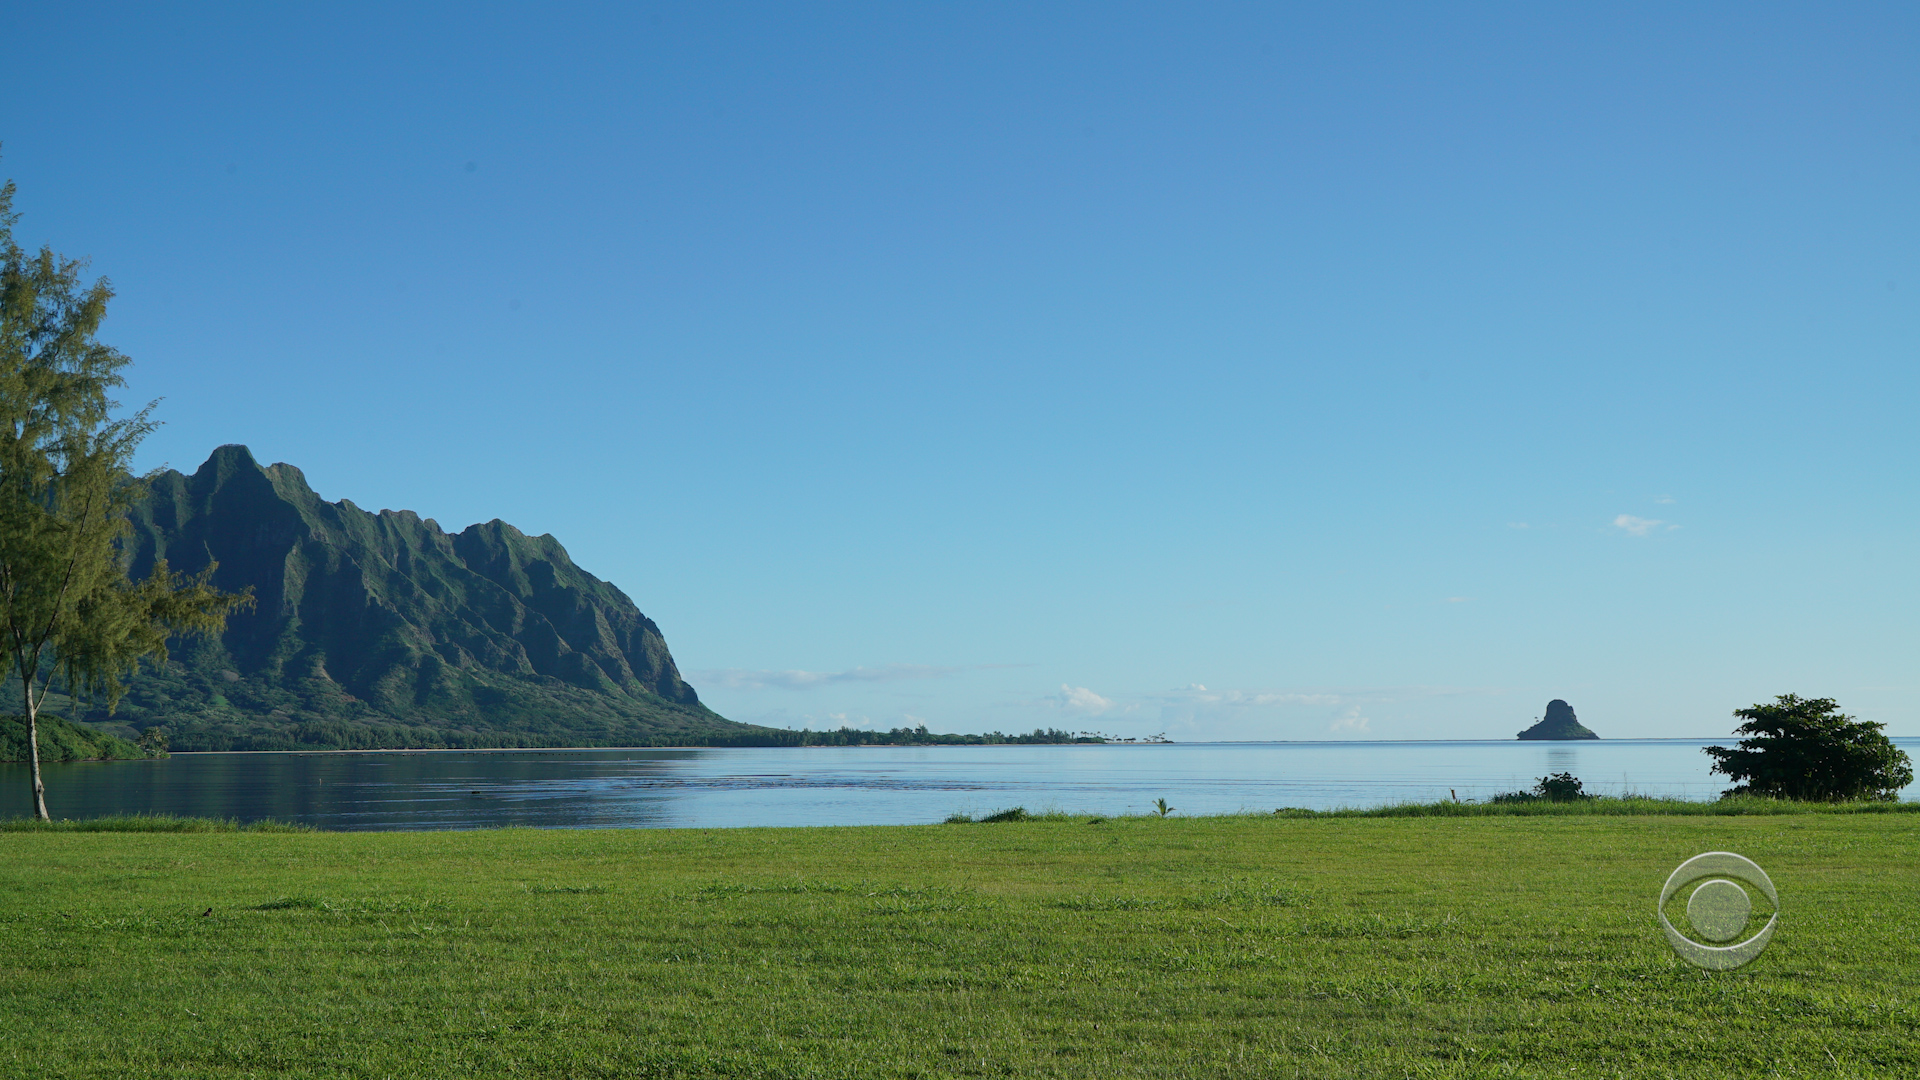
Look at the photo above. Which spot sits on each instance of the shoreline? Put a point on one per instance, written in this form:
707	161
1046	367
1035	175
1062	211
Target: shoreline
1703	739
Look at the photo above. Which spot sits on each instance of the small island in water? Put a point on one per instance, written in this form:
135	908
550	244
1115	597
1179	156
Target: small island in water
1559	723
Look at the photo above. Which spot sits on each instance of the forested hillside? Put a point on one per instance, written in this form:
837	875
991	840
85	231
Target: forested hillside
382	630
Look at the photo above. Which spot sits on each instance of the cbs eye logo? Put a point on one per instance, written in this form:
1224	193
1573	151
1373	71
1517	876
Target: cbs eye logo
1719	910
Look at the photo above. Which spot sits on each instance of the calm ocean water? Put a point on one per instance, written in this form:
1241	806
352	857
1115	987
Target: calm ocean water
464	789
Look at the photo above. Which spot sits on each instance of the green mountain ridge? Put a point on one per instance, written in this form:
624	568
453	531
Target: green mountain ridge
381	630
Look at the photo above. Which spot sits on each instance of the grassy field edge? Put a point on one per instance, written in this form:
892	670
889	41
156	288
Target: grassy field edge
1356	945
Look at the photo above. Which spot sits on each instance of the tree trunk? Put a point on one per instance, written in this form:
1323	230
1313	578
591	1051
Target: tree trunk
33	750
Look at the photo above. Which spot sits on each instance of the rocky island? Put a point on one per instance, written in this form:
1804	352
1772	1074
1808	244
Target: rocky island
1559	723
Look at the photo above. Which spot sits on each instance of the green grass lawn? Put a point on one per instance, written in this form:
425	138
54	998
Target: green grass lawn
1314	947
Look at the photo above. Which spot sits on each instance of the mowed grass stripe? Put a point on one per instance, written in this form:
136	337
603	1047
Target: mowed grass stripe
1347	946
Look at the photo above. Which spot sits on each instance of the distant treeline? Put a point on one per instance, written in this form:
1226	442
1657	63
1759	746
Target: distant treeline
89	743
913	736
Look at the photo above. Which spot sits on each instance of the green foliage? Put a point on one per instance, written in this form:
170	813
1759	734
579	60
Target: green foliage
65	494
153	742
1017	813
63	741
1336	948
1804	748
1161	808
200	710
1558	787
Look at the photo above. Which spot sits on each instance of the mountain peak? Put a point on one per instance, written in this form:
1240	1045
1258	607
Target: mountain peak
230	455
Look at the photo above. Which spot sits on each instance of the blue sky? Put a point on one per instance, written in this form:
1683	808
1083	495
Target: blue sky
1228	371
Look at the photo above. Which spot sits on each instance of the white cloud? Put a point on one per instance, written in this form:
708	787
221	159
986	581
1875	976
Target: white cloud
1663	499
1195	693
1458	599
832	720
1199	710
1518	525
743	679
1352	722
1637	526
1082	702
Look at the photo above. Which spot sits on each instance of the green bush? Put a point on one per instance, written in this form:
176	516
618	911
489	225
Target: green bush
1804	748
1558	787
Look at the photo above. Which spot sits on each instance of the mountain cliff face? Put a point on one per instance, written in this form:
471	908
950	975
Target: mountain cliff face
382	630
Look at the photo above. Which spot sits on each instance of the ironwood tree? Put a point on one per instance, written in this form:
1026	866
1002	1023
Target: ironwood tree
1805	748
67	604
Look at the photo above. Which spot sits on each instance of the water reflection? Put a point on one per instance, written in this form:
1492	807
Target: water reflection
1563	759
838	785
